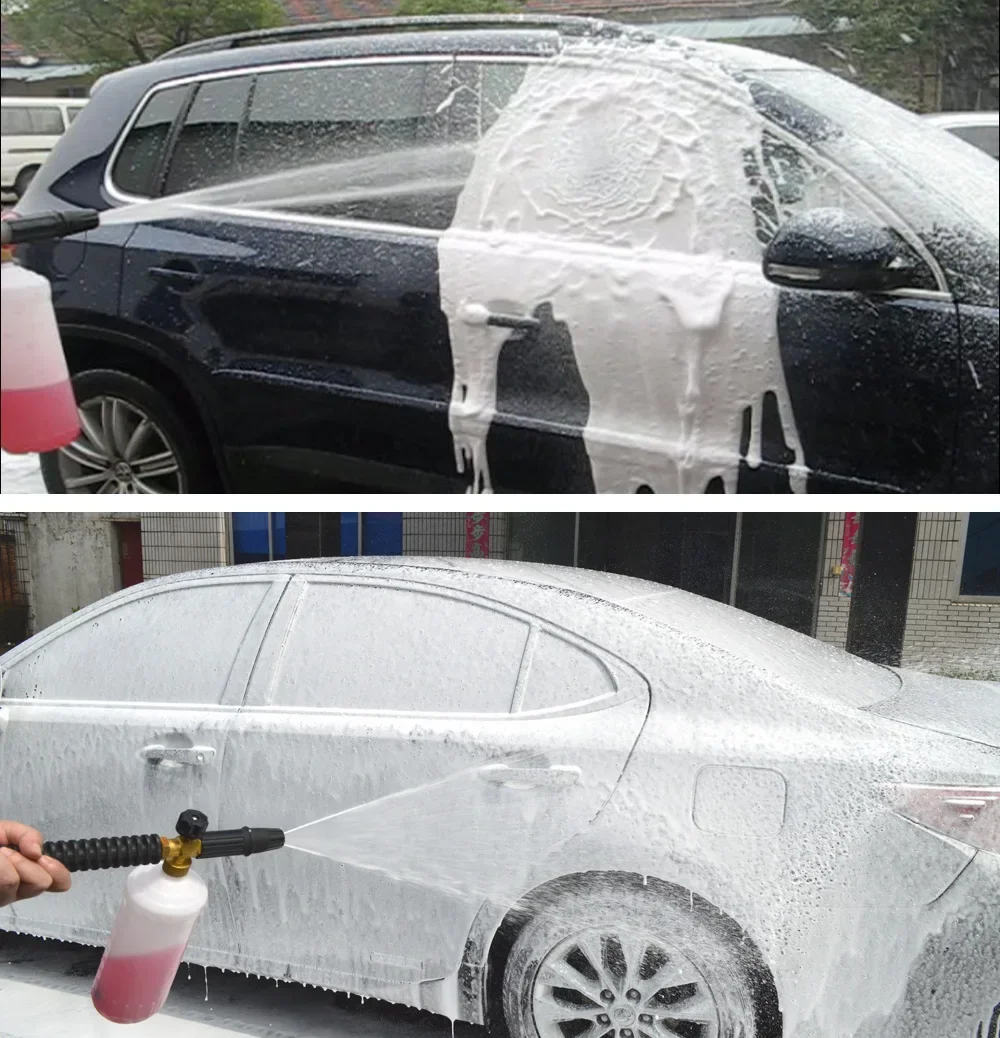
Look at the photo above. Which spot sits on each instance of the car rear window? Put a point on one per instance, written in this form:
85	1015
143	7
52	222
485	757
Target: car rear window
985	138
138	164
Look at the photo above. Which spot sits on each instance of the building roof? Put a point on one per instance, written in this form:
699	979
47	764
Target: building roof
41	73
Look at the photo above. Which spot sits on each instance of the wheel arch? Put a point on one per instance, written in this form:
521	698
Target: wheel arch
493	936
89	349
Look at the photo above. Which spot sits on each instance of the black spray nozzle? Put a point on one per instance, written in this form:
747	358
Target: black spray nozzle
114	852
227	843
45	226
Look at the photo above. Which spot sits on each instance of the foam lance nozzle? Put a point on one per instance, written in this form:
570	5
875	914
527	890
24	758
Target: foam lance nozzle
163	899
46	226
193	840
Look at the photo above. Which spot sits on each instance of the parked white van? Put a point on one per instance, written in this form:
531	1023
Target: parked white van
31	126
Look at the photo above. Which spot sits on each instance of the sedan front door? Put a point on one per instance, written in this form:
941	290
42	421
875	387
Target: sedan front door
115	720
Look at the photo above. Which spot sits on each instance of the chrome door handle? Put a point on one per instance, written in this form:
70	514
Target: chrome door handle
476	313
559	776
176	277
196	756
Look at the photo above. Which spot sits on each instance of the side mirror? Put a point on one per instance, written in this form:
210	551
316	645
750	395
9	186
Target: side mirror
835	251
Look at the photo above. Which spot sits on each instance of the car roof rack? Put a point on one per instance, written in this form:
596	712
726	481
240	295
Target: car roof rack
566	24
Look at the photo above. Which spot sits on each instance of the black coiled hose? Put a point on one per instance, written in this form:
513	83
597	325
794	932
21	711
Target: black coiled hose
110	852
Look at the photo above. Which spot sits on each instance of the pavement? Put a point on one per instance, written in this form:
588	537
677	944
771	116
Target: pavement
20	474
45	993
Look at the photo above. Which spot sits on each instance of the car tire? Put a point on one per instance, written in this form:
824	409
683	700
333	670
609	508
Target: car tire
167	436
23	179
722	976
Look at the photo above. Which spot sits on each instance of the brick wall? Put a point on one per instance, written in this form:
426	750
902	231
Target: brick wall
834	609
942	634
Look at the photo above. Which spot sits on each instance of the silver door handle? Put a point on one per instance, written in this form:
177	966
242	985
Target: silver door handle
476	313
196	756
558	776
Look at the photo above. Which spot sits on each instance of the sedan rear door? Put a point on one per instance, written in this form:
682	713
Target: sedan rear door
424	749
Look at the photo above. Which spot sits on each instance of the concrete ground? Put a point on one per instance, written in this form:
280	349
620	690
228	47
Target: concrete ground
20	474
45	985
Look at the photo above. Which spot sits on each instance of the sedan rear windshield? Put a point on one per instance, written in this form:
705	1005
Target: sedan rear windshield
793	658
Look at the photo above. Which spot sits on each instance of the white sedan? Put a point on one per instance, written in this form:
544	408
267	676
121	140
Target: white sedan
582	804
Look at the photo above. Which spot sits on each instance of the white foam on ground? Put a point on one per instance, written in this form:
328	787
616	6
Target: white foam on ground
20	474
30	1011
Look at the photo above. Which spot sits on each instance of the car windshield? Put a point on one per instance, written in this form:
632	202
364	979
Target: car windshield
957	173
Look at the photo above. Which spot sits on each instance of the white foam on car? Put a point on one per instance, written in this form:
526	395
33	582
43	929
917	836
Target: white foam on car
618	196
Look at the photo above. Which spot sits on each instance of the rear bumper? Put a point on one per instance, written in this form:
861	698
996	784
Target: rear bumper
953	989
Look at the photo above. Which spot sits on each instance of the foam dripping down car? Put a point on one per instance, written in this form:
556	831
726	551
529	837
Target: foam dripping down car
523	254
559	799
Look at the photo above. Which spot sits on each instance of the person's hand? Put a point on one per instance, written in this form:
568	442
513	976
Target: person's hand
26	871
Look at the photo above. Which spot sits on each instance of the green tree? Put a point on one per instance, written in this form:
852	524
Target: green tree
929	53
111	34
410	8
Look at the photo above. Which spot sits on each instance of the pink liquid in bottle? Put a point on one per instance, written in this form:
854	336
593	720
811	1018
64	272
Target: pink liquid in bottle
131	988
39	419
147	943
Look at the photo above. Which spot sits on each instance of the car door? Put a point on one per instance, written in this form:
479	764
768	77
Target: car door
305	299
873	378
115	720
383	733
602	280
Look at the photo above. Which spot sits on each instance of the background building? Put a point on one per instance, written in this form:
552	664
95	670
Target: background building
921	590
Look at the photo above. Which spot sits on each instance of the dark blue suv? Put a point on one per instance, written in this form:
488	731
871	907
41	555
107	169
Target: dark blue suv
518	254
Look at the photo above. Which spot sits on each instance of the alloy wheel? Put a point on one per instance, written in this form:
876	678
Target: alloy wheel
616	983
120	450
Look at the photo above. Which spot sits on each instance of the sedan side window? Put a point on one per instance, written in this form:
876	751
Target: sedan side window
383	648
138	164
176	646
562	674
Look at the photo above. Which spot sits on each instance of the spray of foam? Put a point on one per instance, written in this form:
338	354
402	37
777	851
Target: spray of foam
618	195
329	188
464	834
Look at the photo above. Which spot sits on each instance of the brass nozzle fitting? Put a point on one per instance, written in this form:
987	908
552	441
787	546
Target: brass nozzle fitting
178	852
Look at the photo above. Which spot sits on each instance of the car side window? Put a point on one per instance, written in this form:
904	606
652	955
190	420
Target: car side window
383	648
72	112
16	122
562	674
175	646
137	166
205	151
354	141
46	122
486	88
